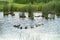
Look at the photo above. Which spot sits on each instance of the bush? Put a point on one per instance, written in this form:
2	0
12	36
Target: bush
30	1
27	8
51	7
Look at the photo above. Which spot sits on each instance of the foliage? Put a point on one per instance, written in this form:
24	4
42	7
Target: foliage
30	1
51	7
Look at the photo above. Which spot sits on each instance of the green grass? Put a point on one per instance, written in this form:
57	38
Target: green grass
44	7
18	7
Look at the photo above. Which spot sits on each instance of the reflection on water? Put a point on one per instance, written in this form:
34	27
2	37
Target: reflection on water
49	31
49	16
7	13
58	15
45	15
22	15
31	16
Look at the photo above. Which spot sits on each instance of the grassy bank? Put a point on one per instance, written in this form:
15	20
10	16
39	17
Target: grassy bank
18	7
44	6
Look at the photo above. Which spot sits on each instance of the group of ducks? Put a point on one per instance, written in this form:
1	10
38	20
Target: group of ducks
26	27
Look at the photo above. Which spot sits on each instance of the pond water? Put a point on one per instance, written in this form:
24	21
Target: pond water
50	30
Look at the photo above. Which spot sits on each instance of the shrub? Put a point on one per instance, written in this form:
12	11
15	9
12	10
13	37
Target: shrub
51	7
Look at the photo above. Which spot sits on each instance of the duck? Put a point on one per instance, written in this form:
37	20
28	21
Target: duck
20	27
17	26
36	25
32	27
26	27
38	16
39	25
